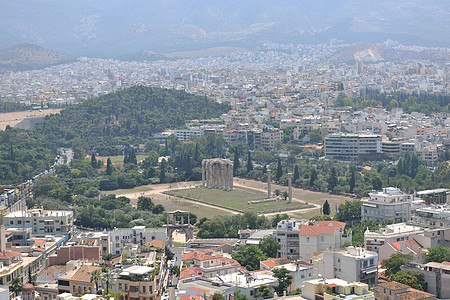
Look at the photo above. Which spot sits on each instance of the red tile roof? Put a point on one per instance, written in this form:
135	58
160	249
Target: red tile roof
316	230
330	223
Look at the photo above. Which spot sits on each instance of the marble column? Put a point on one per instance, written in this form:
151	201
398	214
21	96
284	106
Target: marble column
269	183
203	173
290	187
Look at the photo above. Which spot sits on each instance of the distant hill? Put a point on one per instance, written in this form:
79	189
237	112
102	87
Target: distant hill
215	51
28	56
374	53
144	55
109	28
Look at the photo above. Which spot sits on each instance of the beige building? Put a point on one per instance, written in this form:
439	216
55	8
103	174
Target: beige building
397	291
139	282
43	222
300	241
335	288
78	281
209	264
269	138
409	246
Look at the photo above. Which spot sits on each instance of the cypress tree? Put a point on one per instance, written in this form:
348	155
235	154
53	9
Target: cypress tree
279	170
236	163
162	174
108	166
296	174
326	208
352	182
249	162
12	155
332	180
312	177
94	163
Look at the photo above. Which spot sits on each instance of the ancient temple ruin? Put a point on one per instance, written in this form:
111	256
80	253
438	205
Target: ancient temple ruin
217	173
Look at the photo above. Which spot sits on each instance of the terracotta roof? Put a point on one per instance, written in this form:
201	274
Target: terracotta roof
393	285
269	264
330	223
155	243
50	271
8	255
414	294
190	272
190	297
84	273
316	230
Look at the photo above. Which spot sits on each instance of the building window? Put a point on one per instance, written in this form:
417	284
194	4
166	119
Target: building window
322	238
307	239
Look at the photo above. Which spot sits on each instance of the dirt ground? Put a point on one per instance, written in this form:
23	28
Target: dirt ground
13	118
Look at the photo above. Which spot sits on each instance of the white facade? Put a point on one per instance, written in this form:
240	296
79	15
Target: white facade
390	204
136	235
352	264
351	146
42	222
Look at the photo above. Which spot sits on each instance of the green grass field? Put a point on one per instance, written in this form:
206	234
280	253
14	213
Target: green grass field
237	199
116	159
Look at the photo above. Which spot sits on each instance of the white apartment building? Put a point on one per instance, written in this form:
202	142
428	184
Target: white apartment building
42	222
351	146
103	238
433	216
136	235
300	241
184	135
390	204
426	237
352	264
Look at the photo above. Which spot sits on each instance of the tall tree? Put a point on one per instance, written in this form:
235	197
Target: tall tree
95	278
12	155
269	246
284	280
438	254
326	208
296	174
352	182
249	162
109	167
332	180
236	163
349	211
312	177
107	278
376	183
279	170
15	285
162	173
249	257
393	264
94	163
145	203
412	278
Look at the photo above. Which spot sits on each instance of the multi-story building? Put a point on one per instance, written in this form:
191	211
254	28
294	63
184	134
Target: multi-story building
102	239
437	277
436	196
351	146
410	246
299	270
136	235
300	241
209	265
184	135
429	155
139	282
391	148
388	205
268	138
42	222
426	237
433	216
78	280
352	264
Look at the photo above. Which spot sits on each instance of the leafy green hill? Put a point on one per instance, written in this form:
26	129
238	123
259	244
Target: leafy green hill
138	112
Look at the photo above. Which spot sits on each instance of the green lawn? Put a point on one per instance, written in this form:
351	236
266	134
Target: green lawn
138	189
237	199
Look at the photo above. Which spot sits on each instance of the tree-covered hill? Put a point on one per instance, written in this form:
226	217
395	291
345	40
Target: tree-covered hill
138	111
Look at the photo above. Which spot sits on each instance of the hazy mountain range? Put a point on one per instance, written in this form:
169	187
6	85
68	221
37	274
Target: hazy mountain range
119	27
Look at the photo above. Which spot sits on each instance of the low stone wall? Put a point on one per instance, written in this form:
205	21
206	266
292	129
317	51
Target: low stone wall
204	202
285	209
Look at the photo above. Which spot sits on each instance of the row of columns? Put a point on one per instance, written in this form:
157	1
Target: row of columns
269	185
217	173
